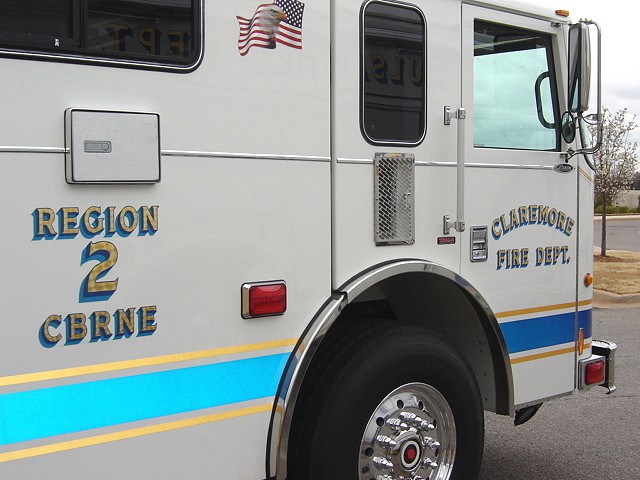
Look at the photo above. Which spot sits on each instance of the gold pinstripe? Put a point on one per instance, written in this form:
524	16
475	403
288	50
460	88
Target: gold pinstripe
141	362
132	433
547	308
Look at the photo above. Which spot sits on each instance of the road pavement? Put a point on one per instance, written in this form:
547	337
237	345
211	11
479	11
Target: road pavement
589	435
623	233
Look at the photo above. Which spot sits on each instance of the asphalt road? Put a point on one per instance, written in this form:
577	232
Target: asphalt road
587	436
621	234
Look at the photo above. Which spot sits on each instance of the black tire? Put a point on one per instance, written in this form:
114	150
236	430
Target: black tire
397	363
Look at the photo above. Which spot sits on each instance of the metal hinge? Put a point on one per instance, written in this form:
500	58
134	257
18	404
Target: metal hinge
459	114
448	224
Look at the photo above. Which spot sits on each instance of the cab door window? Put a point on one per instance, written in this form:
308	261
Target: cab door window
514	90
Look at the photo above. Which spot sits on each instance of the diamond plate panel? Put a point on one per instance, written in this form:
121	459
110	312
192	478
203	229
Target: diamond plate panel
394	221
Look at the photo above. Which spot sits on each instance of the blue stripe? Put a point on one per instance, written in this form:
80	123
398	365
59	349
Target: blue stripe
585	321
541	332
73	408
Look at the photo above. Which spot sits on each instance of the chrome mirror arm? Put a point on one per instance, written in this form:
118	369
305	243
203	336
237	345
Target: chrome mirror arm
598	115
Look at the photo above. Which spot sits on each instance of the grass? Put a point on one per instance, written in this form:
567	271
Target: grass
618	272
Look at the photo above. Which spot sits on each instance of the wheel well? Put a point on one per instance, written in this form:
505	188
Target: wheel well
448	309
408	290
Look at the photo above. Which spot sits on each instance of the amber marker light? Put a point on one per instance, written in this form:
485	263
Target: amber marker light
562	13
581	341
588	280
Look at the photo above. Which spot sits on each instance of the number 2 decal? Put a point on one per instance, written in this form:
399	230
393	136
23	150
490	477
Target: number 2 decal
93	289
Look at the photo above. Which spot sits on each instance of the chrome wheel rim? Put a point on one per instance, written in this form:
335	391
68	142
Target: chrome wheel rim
411	435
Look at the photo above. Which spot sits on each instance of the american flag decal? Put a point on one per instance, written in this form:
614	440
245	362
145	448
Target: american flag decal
273	23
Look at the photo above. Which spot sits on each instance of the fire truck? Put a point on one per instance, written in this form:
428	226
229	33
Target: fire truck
290	240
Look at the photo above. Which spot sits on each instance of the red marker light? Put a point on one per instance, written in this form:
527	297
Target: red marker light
594	373
264	299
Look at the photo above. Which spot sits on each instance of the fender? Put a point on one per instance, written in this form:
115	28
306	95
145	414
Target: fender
302	355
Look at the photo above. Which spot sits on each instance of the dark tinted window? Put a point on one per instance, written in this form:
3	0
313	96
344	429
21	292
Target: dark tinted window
393	74
36	20
150	31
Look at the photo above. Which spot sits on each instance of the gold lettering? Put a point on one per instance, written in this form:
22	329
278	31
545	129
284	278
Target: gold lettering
149	219
128	219
76	327
146	317
569	226
110	213
125	321
562	218
44	218
513	215
543	214
524	218
95	227
100	326
495	228
68	222
52	321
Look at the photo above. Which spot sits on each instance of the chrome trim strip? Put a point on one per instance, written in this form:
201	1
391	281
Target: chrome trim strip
17	149
289	388
253	156
362	161
355	161
507	166
181	153
270	156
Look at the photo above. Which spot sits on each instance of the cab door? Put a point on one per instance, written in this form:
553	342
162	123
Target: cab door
394	67
525	209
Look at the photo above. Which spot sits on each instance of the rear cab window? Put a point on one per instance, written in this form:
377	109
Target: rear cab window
393	73
144	33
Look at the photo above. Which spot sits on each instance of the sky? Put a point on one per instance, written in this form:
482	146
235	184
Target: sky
620	60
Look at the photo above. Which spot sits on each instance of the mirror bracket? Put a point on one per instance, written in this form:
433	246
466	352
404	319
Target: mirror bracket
598	115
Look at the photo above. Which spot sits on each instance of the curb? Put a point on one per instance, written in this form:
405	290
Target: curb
629	216
604	299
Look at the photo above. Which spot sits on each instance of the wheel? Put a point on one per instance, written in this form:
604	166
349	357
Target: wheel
391	402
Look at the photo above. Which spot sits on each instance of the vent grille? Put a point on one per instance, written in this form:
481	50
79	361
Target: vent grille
394	192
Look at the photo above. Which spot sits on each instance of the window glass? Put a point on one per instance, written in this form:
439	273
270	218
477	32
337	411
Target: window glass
514	90
149	31
393	74
36	19
574	70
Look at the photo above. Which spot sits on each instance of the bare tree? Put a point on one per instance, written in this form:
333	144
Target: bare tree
615	162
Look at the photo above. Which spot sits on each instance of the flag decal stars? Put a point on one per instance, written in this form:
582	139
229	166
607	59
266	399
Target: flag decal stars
272	24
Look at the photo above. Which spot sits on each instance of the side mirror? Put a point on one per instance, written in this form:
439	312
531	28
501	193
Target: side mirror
579	68
579	89
568	127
